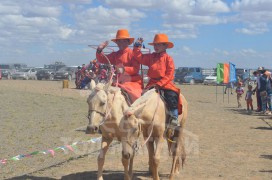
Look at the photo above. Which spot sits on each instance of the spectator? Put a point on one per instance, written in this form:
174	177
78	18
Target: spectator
266	92
230	86
78	77
257	89
86	80
248	98
239	91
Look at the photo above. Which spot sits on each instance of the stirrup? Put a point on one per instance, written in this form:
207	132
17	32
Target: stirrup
174	122
172	125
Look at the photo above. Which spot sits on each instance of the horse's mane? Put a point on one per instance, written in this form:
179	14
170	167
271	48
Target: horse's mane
147	102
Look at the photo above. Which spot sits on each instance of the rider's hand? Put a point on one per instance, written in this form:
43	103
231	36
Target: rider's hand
139	42
120	69
102	46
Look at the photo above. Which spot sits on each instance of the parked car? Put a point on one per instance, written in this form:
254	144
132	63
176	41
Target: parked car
180	73
66	73
210	80
55	66
194	75
47	74
7	70
25	73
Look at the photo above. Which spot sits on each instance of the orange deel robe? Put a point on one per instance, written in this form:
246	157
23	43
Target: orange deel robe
161	71
130	80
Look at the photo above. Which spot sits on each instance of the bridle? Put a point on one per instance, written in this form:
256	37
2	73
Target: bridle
105	114
135	145
94	110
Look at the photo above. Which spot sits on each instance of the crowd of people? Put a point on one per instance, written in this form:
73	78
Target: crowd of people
263	91
95	71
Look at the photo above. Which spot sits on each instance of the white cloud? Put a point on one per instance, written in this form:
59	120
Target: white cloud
246	52
248	5
186	49
255	14
42	27
134	4
254	29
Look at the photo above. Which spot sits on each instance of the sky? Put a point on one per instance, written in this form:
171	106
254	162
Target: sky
204	32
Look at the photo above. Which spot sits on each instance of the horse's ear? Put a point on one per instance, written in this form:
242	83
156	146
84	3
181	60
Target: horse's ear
99	86
89	97
92	84
128	113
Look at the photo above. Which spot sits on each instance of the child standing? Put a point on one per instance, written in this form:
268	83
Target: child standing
239	91
248	97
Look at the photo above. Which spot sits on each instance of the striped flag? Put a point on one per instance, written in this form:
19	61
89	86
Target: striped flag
226	73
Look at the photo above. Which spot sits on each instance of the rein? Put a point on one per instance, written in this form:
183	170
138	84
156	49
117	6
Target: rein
135	146
94	110
108	110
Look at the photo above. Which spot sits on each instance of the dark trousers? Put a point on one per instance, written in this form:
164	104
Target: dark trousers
259	100
171	98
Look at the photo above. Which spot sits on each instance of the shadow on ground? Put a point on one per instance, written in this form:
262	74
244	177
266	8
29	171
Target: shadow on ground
245	112
108	175
266	156
265	118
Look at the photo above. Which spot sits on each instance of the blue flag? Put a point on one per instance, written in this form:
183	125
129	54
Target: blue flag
232	73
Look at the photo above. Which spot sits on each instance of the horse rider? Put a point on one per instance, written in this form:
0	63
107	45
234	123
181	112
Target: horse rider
127	68
161	73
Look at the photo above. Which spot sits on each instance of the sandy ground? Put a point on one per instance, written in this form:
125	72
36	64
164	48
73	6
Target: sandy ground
222	141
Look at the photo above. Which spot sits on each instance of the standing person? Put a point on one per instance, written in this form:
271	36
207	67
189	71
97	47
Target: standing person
128	69
239	91
161	72
229	85
248	97
266	92
258	74
78	77
86	80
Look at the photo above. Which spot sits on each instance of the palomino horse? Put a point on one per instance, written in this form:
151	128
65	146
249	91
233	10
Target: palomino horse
106	107
149	115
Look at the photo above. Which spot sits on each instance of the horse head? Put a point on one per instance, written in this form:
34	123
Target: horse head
130	129
97	102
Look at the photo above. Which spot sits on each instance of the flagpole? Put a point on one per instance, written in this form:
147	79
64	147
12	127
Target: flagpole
216	92
223	94
228	95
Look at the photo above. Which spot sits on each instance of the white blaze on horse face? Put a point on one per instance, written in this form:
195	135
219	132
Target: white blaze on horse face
131	128
97	102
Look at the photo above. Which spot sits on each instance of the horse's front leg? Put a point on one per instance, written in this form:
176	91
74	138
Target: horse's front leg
131	165
156	158
101	157
150	149
125	162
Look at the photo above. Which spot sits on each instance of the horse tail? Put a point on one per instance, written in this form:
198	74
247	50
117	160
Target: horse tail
181	135
176	144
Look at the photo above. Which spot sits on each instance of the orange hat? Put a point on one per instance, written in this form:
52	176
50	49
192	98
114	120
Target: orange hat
123	34
162	38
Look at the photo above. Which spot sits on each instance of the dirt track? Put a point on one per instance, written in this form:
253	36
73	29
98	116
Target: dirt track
223	142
